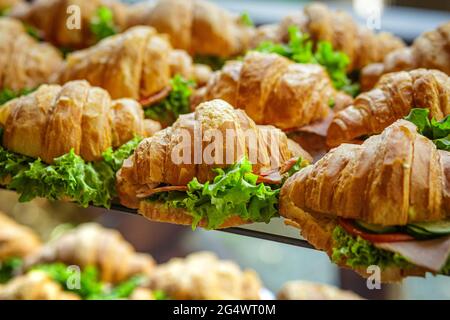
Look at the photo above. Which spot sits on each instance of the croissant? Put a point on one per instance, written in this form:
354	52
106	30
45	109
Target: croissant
304	290
51	121
391	99
202	276
272	90
66	23
35	285
430	50
392	179
92	245
155	160
24	62
361	45
197	26
135	64
17	241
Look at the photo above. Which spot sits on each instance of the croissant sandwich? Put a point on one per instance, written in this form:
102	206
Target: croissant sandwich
272	90
25	63
200	172
80	137
35	285
16	242
73	24
92	245
382	204
304	290
430	50
361	45
202	276
197	26
392	98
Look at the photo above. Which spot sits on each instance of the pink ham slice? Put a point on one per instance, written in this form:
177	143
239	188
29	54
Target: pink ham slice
430	254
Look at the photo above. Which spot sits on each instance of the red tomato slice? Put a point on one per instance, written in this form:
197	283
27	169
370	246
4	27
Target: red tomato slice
386	237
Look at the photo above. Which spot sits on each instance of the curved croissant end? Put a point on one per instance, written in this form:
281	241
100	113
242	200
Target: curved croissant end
391	99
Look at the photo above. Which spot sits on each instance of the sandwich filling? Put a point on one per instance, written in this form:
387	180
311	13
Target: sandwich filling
235	191
424	244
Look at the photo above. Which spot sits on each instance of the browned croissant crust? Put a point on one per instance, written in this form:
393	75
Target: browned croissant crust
152	163
16	241
135	64
391	99
197	26
393	178
24	62
430	50
304	290
35	285
57	19
202	276
54	119
272	90
360	44
92	245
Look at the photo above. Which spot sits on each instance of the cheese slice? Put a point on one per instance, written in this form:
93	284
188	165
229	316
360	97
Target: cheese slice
430	254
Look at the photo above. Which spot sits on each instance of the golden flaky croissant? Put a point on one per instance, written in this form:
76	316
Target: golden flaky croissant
66	23
16	241
202	276
25	63
35	285
52	120
197	26
430	50
156	161
304	290
272	90
92	245
135	64
360	44
392	179
391	99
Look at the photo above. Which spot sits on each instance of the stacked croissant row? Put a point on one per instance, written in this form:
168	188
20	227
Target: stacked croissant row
122	110
39	267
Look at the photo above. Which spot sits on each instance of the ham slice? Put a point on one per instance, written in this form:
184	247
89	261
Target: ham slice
157	97
150	192
430	254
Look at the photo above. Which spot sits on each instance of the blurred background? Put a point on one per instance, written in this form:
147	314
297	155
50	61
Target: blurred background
276	263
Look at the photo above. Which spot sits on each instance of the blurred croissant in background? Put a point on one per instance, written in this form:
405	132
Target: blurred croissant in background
360	44
430	50
25	63
92	245
197	26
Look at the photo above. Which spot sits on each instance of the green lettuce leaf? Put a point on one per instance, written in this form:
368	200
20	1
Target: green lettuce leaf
437	131
300	49
91	287
7	94
8	268
102	23
175	104
357	252
90	284
246	20
233	191
69	177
